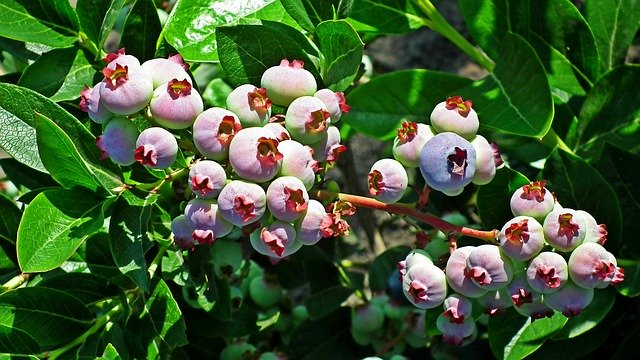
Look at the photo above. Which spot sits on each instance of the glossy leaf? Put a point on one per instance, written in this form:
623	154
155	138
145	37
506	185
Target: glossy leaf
399	16
631	284
110	353
590	316
191	27
577	185
273	12
379	106
52	23
141	30
513	336
342	50
384	266
614	24
35	319
216	92
109	19
494	197
86	287
10	216
309	13
90	16
53	226
164	316
515	98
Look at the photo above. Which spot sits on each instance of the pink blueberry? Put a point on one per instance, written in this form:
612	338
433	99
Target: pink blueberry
489	267
254	155
207	178
90	103
457	308
409	142
213	131
242	202
485	161
279	131
120	57
448	162
288	81
425	285
276	241
315	224
163	71
547	272
521	292
307	119
457	116
182	230
595	232
521	238
457	276
208	222
125	90
176	104
335	102
496	302
533	199
592	266
564	229
454	333
328	148
251	104
570	299
287	198
118	141
156	148
298	161
387	180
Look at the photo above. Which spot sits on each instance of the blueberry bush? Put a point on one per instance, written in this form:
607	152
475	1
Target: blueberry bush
179	181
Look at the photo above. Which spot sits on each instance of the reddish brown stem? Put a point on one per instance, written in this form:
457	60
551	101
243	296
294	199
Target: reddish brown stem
408	210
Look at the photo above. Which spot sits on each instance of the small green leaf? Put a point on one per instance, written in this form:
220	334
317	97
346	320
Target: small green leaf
52	23
53	226
384	266
309	13
494	197
296	9
385	16
35	319
164	316
141	30
590	316
110	353
342	50
379	106
513	336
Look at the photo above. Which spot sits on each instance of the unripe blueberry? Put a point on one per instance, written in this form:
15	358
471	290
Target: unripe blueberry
532	200
367	318
457	309
409	142
521	238
590	265
496	301
416	336
489	267
242	202
416	257
485	161
176	104
156	148
297	160
207	178
454	333
90	103
425	286
521	292
207	220
335	102
457	276
277	241
238	351
315	224
118	142
329	148
570	299
251	104
213	131
547	272
307	119
564	229
254	155
278	130
265	293
387	180
595	232
287	198
457	116
163	71
447	162
182	230
288	81
120	57
125	90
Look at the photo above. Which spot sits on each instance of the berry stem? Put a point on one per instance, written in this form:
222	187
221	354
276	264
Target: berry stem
408	210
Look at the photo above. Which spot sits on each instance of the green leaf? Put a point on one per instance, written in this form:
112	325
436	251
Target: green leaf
128	238
326	301
52	23
631	284
614	24
273	12
384	266
10	216
379	106
141	30
342	50
296	9
590	316
110	353
191	27
35	319
309	13
513	336
86	287
22	175
204	324
216	92
53	226
90	16
515	98
493	198
109	20
577	185
385	16
244	57
164	316
611	110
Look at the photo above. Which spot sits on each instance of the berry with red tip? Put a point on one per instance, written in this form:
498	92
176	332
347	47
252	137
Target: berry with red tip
387	180
455	115
570	299
182	230
307	119
315	224
521	292
457	308
457	276
120	57
242	202
156	148
335	102
564	229
448	162
454	333
213	131
595	232
278	130
276	241
425	285
521	238
547	272
208	222
591	265
287	198
90	103
163	71
496	301
207	178
298	161
251	104
254	155
125	90
485	161
329	148
409	142
176	104
533	199
489	267
288	81
118	141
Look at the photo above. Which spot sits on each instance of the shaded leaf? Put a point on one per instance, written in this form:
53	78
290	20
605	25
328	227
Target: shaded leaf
494	197
10	216
631	284
22	175
385	16
384	266
141	30
342	50
86	287
164	316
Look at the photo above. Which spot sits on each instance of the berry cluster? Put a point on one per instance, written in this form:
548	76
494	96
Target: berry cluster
255	168
550	258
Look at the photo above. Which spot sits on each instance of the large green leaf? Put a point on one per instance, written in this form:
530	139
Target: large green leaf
164	316
35	319
191	27
141	30
385	16
86	287
379	106
342	50
578	185
53	226
614	24
513	336
515	98
494	197
52	23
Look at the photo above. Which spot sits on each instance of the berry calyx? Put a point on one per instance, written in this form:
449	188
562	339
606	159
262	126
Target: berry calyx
460	106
